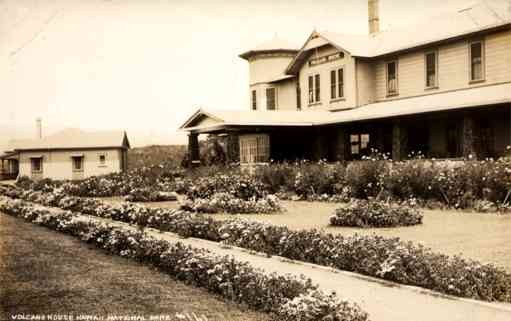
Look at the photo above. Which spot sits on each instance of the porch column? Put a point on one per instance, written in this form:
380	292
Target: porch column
340	144
233	147
399	141
469	138
193	149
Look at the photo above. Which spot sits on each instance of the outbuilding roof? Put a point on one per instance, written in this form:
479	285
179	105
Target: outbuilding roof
74	139
451	100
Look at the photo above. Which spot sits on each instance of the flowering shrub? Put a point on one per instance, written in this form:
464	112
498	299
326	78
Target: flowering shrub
225	202
149	195
233	280
373	213
373	255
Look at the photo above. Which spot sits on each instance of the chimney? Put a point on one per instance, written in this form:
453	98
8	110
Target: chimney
374	17
39	128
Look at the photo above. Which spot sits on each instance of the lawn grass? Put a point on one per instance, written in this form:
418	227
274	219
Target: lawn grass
45	272
482	236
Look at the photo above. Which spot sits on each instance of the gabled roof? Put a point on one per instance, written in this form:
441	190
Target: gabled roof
477	18
451	100
74	139
273	45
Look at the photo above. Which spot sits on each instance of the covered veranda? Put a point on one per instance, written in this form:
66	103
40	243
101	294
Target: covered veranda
9	165
471	123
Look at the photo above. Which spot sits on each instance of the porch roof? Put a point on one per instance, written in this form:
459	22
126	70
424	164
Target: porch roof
210	121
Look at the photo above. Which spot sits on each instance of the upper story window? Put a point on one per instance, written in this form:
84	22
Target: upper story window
271	98
337	83
254	100
392	78
476	60
431	61
314	89
298	96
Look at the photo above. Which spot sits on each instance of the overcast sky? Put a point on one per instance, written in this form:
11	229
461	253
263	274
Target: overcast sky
146	65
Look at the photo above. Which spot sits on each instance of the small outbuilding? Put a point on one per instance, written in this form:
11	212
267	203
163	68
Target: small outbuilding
71	154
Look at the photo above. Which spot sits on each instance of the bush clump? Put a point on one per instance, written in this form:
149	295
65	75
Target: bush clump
374	213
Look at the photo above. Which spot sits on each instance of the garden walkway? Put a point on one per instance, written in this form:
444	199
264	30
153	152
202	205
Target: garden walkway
383	300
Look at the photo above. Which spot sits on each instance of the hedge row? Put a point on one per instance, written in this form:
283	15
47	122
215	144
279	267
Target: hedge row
386	258
374	213
286	297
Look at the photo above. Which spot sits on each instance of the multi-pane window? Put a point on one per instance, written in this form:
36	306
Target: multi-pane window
314	89
431	69
359	144
392	78
337	83
476	61
36	164
271	98
254	148
254	100
77	163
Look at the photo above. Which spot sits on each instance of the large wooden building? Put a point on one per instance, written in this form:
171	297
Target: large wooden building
442	87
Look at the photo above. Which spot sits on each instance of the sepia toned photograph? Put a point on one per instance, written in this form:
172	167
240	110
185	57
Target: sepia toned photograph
255	160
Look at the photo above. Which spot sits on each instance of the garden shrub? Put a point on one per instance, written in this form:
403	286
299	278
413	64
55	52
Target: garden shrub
374	213
227	203
373	255
284	296
149	195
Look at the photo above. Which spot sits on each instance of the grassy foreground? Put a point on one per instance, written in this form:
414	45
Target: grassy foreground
45	272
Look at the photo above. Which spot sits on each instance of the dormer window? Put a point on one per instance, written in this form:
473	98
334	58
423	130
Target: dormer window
392	84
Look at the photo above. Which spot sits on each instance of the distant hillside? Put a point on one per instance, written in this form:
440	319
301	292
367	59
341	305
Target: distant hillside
155	154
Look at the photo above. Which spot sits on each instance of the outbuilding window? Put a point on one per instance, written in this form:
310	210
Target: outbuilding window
102	159
254	148
77	163
36	164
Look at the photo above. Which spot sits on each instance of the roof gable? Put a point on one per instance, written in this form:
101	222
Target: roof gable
480	17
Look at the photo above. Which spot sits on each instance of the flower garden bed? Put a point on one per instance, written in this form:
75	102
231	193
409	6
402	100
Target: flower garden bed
386	258
227	203
374	213
286	297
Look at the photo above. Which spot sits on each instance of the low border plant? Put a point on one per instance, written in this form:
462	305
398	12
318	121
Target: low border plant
284	296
